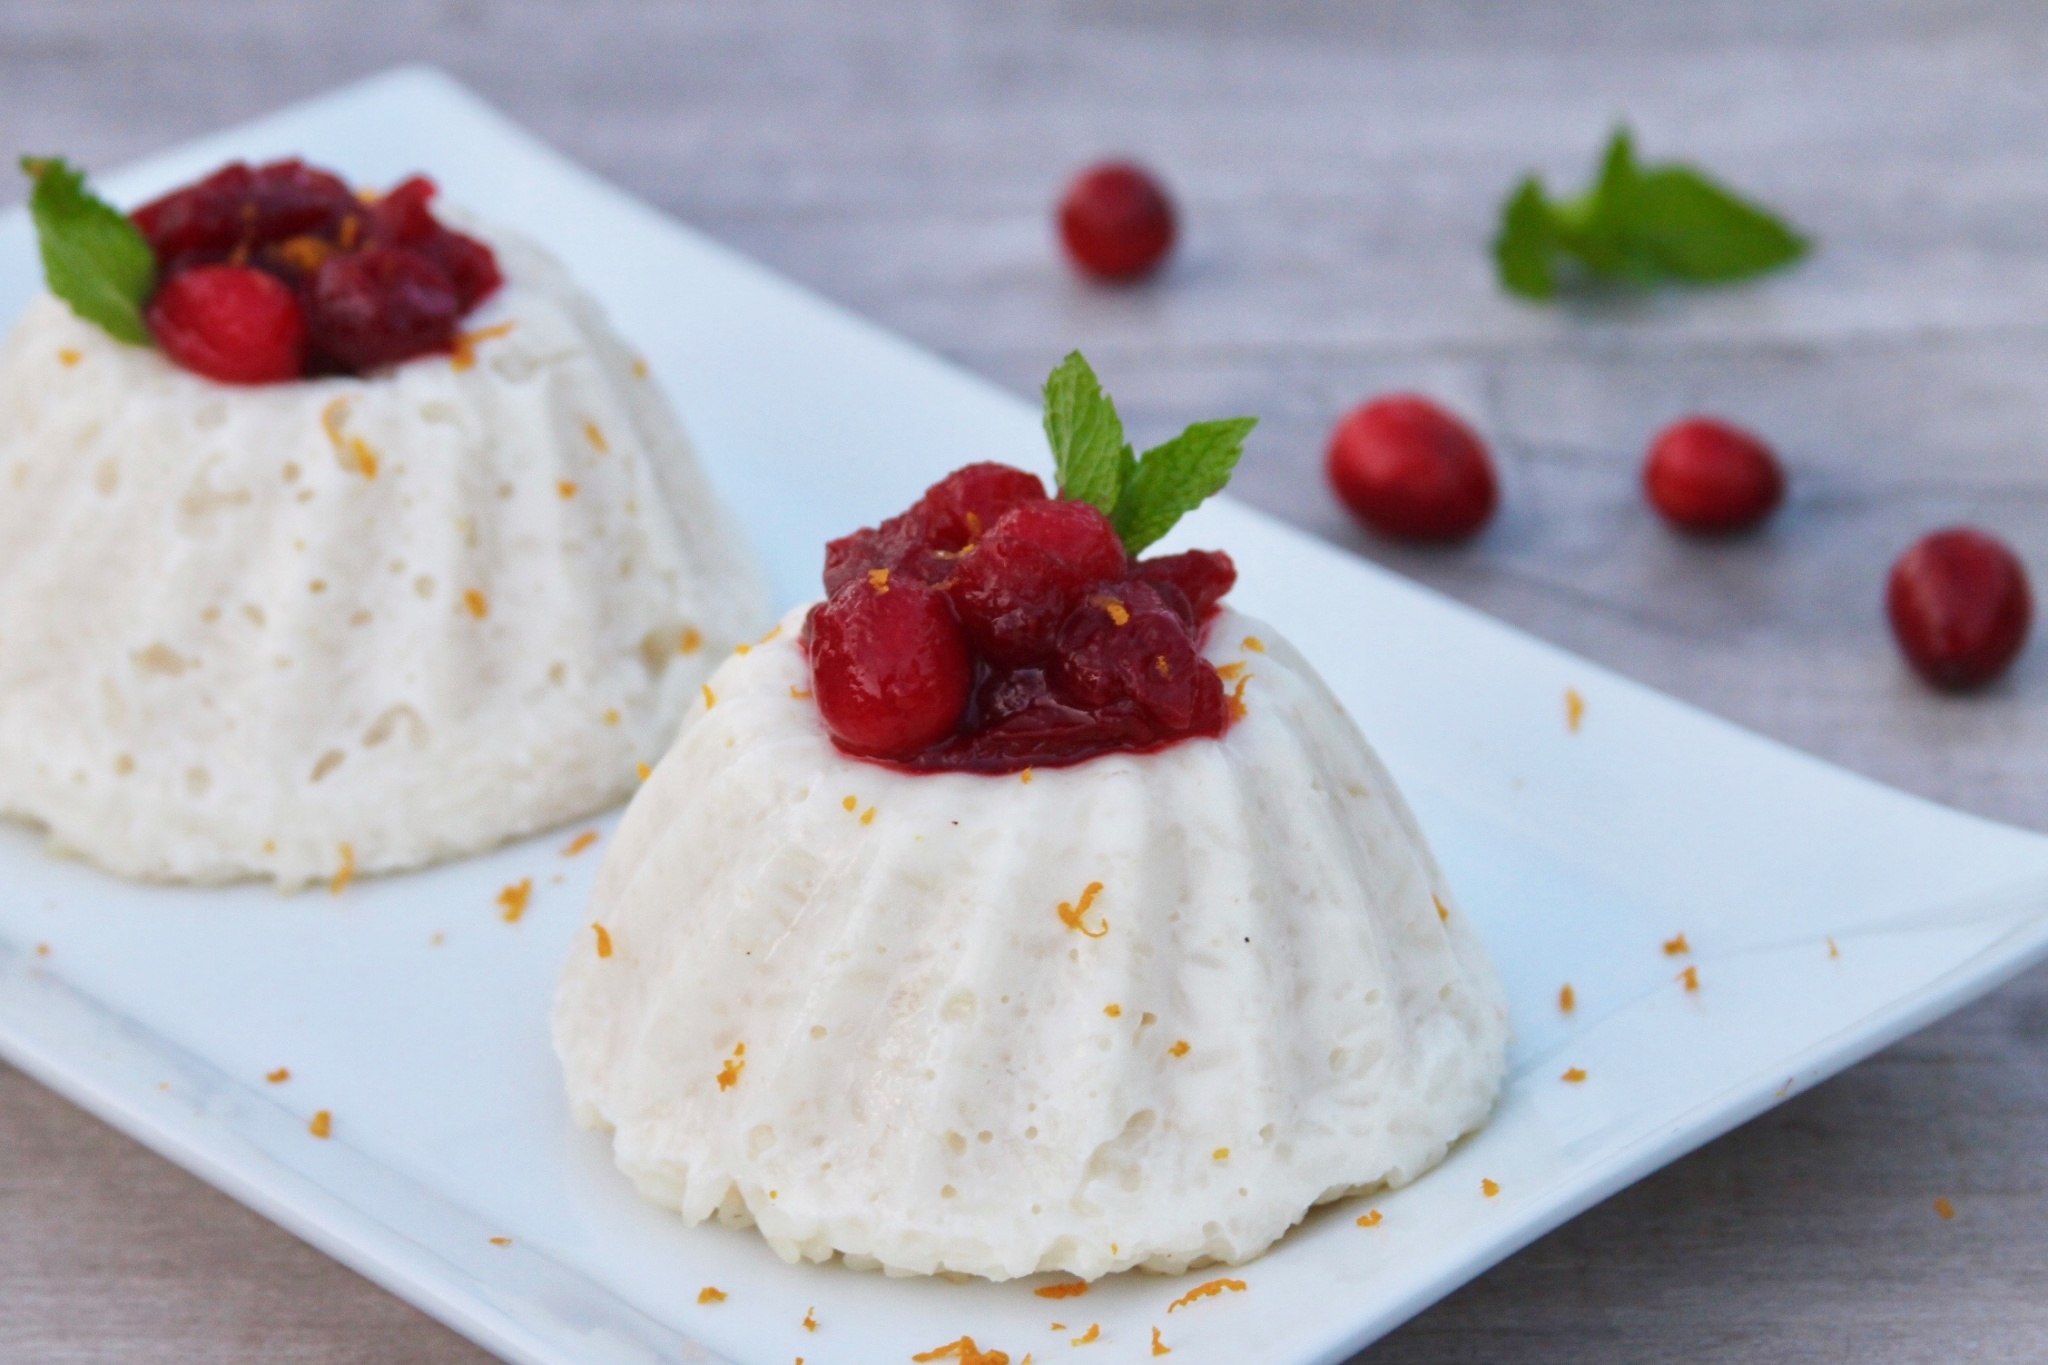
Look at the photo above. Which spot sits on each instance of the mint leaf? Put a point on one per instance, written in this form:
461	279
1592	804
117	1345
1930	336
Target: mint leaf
1527	242
1175	478
1638	225
1089	453
93	257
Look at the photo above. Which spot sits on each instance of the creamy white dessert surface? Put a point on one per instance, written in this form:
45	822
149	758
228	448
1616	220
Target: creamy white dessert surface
867	1011
304	629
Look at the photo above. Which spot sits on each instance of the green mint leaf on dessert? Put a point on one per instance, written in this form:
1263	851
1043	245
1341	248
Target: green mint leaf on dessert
1174	479
1638	225
1089	452
93	257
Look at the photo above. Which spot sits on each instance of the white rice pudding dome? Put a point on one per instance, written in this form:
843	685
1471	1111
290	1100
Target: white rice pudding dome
349	623
1145	1011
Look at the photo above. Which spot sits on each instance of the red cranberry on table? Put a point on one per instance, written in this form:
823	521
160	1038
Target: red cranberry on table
1116	221
889	664
1960	606
1704	475
230	323
1409	469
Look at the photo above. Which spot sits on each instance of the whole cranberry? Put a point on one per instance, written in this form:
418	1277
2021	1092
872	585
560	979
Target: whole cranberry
960	508
1408	469
1116	221
379	307
1028	572
889	666
1960	607
1704	475
231	323
1126	643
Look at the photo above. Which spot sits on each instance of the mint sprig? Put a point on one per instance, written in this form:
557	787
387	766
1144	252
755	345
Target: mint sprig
93	257
1638	225
1143	496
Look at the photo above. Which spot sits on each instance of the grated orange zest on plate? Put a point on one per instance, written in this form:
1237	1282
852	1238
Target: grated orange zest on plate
1207	1291
1574	709
810	1319
1691	977
1442	912
964	1351
1676	947
1071	1289
580	843
322	1126
501	1241
711	1294
279	1076
1371	1218
1573	1075
1094	1333
1255	644
1071	913
1489	1188
1159	1348
1567	998
1179	1049
514	898
604	940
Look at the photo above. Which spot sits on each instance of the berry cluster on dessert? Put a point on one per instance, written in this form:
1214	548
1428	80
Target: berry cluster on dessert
991	628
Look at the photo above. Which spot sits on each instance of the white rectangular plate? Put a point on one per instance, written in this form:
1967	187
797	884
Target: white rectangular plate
1827	915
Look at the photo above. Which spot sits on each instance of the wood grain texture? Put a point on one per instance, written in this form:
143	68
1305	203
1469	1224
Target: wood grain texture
1339	165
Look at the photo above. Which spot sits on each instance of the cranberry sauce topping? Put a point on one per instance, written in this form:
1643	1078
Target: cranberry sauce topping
991	629
366	283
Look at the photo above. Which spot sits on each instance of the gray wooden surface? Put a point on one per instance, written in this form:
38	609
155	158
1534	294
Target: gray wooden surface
1339	165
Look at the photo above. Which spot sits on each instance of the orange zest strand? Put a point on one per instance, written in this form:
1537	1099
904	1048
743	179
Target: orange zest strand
514	899
476	603
878	579
1442	912
604	940
1159	1348
1567	998
1071	913
464	355
710	697
964	1351
322	1126
710	1294
1489	1188
1573	1075
566	487
501	1241
1371	1218
279	1076
1237	706
346	873
1676	947
595	435
1072	1289
1179	1049
729	1074
1945	1209
580	843
1833	951
645	772
691	640
810	1319
1691	977
1574	709
1255	644
68	357
799	693
1207	1291
1094	1333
